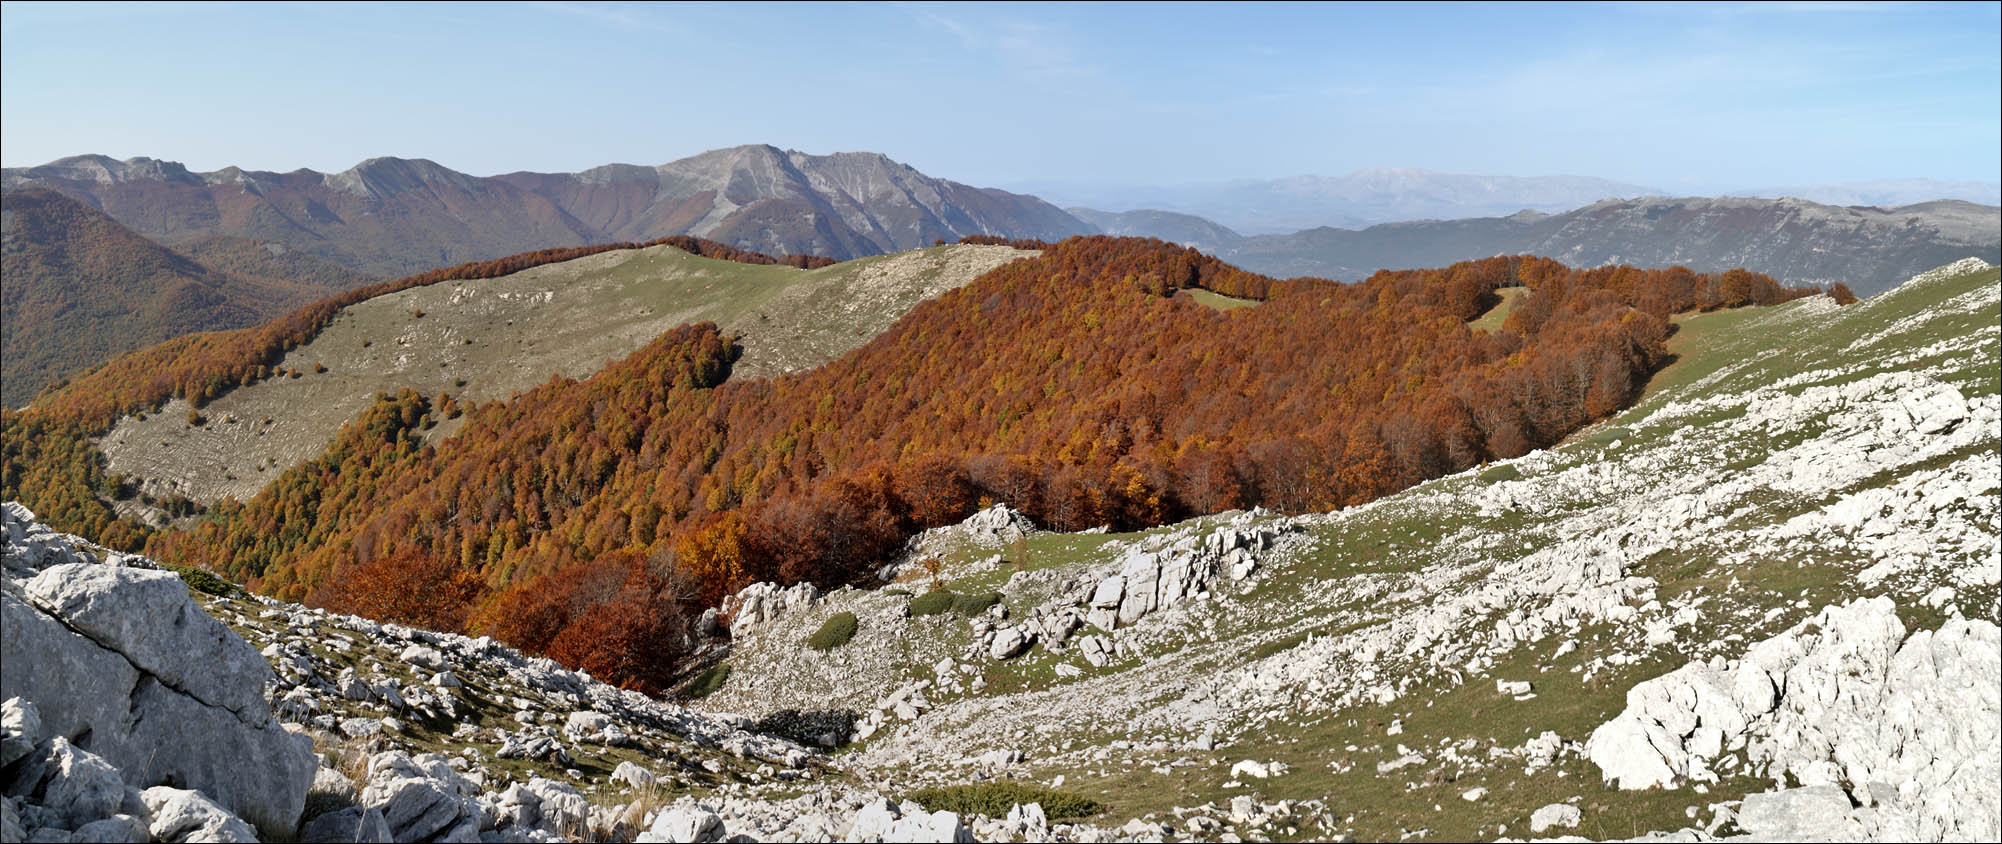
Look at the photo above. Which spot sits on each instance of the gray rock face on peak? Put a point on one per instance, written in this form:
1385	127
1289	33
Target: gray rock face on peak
122	663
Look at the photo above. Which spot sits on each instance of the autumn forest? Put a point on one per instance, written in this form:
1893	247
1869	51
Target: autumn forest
593	520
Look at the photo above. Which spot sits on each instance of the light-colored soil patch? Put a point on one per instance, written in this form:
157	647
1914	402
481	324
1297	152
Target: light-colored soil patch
488	339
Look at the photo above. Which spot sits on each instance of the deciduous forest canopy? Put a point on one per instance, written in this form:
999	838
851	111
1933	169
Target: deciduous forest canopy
593	519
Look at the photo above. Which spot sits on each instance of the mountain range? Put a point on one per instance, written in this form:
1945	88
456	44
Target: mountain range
391	216
1793	240
1394	195
267	241
1359	199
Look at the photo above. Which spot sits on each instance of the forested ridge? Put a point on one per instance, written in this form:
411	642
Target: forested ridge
80	288
47	458
199	367
592	519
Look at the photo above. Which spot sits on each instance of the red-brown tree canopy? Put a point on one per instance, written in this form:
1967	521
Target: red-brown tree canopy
1078	386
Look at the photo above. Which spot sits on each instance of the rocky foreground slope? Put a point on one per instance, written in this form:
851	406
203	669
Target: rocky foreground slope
1769	588
1760	604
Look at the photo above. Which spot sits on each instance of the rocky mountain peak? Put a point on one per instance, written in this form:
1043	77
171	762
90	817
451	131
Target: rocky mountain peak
101	170
383	177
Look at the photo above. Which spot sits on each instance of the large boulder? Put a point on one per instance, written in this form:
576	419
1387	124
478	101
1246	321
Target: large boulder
352	825
1846	702
182	815
422	798
122	662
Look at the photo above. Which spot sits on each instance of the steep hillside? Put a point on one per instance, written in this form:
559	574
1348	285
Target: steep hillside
1081	385
482	340
80	288
1760	604
390	217
1795	241
1762	601
247	258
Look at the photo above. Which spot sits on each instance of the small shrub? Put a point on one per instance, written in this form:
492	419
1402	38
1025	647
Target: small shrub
932	603
820	728
319	367
934	568
839	628
972	605
418	313
203	580
196	418
708	682
994	799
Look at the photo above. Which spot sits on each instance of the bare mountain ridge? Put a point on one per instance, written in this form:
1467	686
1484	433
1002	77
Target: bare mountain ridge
392	216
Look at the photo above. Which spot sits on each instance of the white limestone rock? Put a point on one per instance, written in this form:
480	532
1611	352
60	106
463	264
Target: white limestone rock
166	693
82	787
20	729
685	826
1845	700
1554	816
1008	642
352	825
180	815
117	829
1813	813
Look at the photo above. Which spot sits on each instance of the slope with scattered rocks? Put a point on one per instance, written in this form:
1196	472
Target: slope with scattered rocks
1762	603
486	339
1436	664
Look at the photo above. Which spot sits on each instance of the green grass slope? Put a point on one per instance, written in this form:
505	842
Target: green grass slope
486	339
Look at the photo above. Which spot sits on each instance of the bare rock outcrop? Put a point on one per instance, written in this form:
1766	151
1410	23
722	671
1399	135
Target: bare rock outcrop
120	662
1847	702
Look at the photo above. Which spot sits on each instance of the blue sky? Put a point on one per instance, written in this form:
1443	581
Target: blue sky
1682	97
